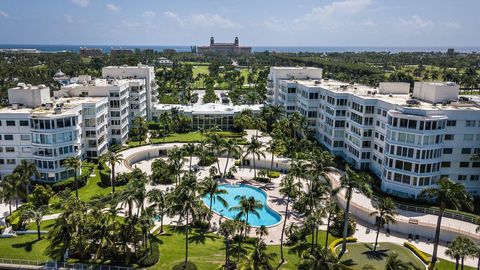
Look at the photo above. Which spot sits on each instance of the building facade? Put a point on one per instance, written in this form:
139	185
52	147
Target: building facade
91	52
224	48
409	140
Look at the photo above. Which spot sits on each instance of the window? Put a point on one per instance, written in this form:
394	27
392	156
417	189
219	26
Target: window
468	137
446	164
466	150
449	137
10	123
451	123
10	149
464	164
470	123
8	137
24	123
447	150
474	177
462	177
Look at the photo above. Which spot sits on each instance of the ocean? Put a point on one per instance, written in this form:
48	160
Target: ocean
289	49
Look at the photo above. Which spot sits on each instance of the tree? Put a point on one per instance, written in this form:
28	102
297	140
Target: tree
36	215
461	248
385	213
210	188
139	129
258	258
112	159
159	199
275	147
74	163
247	206
166	121
351	181
261	232
446	193
320	258
27	169
16	182
254	148
176	157
232	149
7	191
227	230
331	209
394	263
190	149
290	189
41	195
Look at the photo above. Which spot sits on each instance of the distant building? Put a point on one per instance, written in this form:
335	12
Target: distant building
164	62
225	48
120	52
169	51
61	78
91	52
451	51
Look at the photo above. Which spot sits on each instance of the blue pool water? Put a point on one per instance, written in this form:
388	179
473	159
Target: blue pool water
268	217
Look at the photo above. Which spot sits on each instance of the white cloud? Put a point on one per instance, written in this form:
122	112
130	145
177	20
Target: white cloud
3	14
113	8
415	23
73	20
148	14
201	20
327	12
82	3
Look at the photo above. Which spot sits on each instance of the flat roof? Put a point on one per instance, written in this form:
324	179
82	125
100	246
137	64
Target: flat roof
366	92
68	105
209	108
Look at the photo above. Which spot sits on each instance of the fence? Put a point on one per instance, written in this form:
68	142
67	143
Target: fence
21	262
53	265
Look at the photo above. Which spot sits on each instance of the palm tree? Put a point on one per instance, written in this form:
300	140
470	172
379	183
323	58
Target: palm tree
27	169
190	149
175	155
460	248
254	148
217	144
165	120
247	206
321	258
15	180
289	189
331	208
478	249
112	159
275	147
385	213
227	230
188	205
159	199
261	232
7	192
74	163
351	181
446	193
211	189
232	149
394	263
36	215
258	258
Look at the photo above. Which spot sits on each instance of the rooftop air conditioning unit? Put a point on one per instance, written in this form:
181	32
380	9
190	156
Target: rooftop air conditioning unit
14	106
57	110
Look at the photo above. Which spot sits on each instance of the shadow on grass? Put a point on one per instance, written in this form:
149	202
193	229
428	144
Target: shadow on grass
27	246
379	254
182	266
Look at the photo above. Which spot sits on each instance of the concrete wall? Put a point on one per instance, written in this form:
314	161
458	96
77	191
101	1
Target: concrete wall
394	88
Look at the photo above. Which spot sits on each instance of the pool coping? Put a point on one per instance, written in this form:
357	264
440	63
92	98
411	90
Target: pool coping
266	203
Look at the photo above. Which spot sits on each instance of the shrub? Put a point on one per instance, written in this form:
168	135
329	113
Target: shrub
337	225
151	255
2	228
41	195
207	160
238	163
182	266
425	259
337	242
262	179
273	174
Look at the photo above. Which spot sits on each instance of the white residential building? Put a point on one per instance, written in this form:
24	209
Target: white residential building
136	72
408	140
49	132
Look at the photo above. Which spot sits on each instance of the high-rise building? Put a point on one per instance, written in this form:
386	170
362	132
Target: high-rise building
408	139
225	48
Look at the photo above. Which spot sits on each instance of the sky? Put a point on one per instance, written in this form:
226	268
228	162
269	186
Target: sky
255	22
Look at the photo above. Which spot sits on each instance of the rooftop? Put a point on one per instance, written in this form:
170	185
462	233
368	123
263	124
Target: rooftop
209	108
367	92
66	106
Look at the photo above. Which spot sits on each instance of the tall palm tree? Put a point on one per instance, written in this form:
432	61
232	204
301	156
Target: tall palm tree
385	213
446	193
289	189
176	157
190	149
232	149
319	163
395	263
187	204
15	180
159	199
227	230
211	189
351	181
261	232
247	206
321	258
254	148
461	248
74	163
7	192
275	147
331	208
217	144
36	215
165	120
258	258
112	159
27	169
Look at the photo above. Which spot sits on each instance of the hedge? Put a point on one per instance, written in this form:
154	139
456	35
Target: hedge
337	242
150	258
425	259
82	179
273	174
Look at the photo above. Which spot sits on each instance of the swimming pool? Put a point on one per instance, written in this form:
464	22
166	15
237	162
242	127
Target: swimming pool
268	217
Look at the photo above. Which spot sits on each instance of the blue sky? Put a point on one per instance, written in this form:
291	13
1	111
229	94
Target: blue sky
255	22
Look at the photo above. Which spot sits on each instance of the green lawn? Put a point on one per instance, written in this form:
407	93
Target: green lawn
361	254
207	251
193	136
23	247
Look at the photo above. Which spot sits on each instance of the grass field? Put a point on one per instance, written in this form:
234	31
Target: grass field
193	136
207	251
